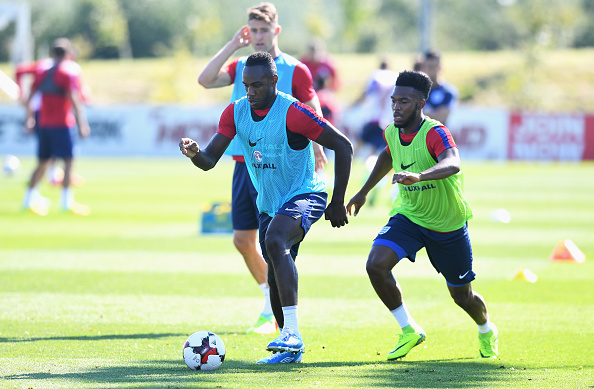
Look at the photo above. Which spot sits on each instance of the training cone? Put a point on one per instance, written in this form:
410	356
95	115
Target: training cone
526	275
567	251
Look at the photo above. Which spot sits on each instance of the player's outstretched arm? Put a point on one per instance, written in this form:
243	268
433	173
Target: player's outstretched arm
382	166
205	159
343	160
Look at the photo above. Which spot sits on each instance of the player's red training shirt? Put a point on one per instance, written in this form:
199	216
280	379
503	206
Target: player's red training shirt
302	121
302	83
56	107
439	138
322	69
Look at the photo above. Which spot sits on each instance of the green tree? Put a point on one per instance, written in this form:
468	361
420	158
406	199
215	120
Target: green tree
103	25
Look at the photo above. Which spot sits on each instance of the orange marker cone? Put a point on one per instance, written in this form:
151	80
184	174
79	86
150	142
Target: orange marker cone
567	251
526	275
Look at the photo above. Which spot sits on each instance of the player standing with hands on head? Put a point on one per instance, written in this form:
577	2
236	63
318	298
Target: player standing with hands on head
275	133
295	79
430	211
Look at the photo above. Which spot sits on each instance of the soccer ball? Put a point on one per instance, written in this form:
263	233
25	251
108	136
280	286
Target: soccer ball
11	164
204	350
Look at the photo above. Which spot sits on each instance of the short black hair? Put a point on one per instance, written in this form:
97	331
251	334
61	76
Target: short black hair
261	58
432	54
61	47
419	81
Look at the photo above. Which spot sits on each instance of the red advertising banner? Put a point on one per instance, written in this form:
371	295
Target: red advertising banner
550	137
589	152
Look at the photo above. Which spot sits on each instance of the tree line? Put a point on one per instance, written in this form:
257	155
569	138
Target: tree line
110	29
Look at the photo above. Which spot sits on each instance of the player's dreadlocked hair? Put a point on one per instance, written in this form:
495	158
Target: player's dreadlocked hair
419	81
261	58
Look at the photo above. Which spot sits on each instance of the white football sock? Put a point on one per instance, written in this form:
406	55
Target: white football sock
484	328
403	317
28	197
290	316
33	196
67	198
266	291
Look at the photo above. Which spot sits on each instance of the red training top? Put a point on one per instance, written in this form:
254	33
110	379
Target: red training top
302	82
439	138
55	84
302	121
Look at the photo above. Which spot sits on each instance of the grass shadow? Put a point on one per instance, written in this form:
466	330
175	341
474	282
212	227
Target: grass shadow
91	337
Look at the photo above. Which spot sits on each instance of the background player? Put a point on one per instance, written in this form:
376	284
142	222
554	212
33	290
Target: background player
31	70
262	33
443	97
60	95
430	211
321	65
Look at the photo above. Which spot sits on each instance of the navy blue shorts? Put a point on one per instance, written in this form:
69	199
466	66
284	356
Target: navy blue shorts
373	134
55	142
450	253
309	207
244	212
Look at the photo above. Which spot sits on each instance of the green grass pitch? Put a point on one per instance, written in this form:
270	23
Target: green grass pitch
106	301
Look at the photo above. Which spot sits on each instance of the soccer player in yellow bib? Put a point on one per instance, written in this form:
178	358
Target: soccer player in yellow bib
430	211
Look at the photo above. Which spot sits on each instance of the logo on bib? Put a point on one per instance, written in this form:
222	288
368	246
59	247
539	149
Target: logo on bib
258	156
254	143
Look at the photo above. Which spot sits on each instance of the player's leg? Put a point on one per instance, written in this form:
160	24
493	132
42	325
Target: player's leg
396	240
38	172
288	347
33	200
283	232
380	263
470	301
281	244
64	149
244	215
275	302
246	242
474	304
451	254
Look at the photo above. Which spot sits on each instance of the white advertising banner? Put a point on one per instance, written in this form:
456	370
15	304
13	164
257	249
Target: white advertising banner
121	131
480	133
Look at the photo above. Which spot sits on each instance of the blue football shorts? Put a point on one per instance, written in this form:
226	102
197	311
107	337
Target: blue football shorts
450	253
309	207
244	212
55	142
373	134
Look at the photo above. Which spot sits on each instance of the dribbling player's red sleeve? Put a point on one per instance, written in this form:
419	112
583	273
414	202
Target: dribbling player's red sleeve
227	122
301	119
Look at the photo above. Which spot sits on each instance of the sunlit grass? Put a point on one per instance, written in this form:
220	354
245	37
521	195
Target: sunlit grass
106	301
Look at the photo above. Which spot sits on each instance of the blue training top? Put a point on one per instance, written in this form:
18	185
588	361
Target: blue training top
285	65
278	172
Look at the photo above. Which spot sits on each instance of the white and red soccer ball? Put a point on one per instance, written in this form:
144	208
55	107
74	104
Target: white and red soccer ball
204	350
